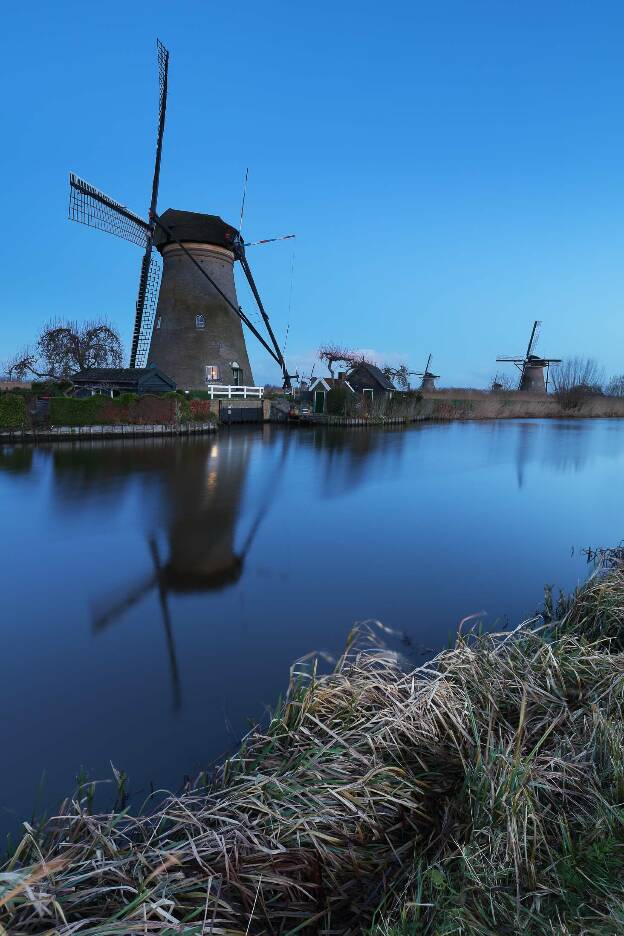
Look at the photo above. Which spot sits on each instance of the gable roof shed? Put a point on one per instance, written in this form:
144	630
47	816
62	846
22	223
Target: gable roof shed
367	376
125	379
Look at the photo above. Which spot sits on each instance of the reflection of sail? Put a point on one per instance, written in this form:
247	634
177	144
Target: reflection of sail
562	445
204	492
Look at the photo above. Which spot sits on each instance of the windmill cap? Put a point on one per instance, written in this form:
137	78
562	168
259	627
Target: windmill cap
192	227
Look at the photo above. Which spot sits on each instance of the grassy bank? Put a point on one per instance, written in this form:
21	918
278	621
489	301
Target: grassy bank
459	403
480	794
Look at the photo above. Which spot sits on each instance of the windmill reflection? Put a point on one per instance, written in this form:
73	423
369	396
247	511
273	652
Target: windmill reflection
350	458
203	494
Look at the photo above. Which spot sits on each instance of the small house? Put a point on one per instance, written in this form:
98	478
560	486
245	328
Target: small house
320	387
113	381
370	381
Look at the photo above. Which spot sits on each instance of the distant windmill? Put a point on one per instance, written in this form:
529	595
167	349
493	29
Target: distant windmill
532	366
428	379
191	326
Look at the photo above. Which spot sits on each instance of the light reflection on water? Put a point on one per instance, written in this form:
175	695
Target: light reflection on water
155	593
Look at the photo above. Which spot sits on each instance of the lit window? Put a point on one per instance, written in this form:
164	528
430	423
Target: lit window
212	372
200	321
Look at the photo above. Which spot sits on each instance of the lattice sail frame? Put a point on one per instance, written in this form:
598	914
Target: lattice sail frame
163	62
149	279
89	206
149	288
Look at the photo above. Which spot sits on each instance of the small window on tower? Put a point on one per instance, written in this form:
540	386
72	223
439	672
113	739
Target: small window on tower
200	321
237	376
212	373
158	321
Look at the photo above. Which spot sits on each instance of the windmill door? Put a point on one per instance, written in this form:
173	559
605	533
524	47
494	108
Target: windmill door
319	401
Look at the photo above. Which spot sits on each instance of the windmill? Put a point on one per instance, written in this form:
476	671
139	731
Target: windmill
428	379
532	366
187	320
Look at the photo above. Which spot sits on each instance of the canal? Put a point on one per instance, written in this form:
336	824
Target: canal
155	593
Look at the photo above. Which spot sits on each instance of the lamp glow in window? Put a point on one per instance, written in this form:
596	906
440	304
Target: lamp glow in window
212	373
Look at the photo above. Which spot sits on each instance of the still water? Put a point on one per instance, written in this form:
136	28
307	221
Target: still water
155	593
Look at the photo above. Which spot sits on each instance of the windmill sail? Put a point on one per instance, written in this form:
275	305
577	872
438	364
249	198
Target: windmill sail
149	280
147	300
87	205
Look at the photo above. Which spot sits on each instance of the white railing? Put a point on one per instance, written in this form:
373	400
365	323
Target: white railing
223	391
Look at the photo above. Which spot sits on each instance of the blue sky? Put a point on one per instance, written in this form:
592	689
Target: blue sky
452	170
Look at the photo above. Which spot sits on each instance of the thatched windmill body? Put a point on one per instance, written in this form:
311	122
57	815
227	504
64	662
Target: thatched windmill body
532	366
190	324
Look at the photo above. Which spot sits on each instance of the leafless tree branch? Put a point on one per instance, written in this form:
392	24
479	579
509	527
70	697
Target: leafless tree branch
64	348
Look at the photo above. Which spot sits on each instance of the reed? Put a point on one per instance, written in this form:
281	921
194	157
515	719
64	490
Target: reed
482	793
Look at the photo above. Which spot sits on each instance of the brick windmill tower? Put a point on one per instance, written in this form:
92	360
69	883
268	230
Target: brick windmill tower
188	320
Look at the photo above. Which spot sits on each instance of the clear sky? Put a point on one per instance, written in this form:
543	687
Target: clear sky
453	170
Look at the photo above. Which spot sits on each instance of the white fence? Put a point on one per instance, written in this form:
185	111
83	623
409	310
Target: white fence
223	391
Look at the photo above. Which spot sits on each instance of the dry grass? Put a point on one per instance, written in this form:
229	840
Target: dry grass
480	794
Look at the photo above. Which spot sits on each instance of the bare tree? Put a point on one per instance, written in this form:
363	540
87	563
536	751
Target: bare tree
333	354
615	387
576	378
502	382
400	375
63	348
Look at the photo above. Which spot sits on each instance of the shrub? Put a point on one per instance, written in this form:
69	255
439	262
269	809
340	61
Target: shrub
200	411
49	388
340	401
72	411
13	411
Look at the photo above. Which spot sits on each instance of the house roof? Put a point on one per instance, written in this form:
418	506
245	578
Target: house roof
119	375
375	373
330	383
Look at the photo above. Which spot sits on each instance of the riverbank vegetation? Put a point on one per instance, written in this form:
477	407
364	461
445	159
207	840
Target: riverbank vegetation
19	409
482	793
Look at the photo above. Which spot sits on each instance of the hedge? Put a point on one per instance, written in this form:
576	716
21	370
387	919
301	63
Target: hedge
72	411
13	411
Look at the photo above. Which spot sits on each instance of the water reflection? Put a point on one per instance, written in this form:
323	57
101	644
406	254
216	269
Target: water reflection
197	492
16	459
187	575
350	457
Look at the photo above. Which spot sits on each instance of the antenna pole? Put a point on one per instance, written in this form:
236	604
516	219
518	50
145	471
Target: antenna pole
242	211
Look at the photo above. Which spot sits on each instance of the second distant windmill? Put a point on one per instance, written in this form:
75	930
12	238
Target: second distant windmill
428	377
532	366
